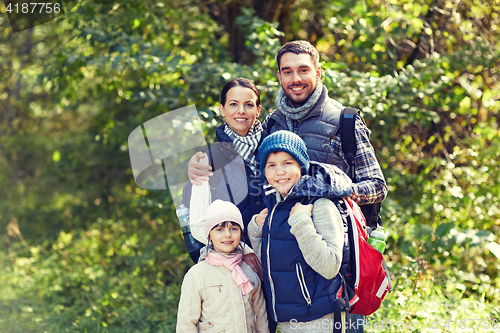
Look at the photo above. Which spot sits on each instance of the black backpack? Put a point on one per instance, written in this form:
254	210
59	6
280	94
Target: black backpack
348	139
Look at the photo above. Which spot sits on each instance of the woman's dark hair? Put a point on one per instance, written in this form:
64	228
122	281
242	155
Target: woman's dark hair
240	82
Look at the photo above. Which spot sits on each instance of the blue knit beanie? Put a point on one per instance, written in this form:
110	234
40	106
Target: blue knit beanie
288	142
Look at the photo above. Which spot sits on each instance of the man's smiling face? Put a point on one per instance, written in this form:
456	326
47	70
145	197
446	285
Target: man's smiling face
298	76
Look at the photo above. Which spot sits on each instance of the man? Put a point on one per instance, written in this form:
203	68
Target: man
303	107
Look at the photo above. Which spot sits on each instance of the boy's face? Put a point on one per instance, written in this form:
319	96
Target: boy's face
282	172
225	237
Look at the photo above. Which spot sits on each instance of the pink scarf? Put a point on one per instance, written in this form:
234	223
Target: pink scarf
233	264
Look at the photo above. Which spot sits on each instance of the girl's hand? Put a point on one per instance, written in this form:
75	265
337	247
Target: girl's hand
298	207
261	218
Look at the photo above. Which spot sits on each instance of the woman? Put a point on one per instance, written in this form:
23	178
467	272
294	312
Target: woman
240	135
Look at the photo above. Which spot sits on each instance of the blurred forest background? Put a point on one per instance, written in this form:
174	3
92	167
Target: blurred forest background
86	250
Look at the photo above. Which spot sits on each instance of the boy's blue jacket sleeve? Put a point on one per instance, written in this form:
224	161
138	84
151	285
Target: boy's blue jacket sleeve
339	183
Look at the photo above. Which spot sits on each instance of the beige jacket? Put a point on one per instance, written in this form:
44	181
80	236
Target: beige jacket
212	302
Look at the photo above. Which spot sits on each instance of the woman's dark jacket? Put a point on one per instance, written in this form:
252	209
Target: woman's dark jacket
233	179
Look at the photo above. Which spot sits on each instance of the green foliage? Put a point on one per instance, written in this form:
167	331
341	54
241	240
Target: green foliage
419	304
86	250
117	276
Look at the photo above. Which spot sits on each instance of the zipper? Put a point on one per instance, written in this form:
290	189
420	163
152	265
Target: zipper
271	283
302	283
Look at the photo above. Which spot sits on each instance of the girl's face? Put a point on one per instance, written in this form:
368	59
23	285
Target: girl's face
225	236
240	109
282	172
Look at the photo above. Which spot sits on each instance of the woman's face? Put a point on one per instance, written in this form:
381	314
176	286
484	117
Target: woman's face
240	109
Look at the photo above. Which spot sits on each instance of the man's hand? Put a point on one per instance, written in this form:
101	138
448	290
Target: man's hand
298	207
198	172
261	218
252	261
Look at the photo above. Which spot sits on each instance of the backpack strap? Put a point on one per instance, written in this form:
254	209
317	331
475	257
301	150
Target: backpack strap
348	139
270	124
371	213
340	306
384	266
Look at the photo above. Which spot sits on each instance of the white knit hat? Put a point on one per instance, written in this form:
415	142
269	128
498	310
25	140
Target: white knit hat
221	211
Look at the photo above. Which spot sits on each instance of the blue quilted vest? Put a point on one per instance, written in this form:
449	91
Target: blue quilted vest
293	289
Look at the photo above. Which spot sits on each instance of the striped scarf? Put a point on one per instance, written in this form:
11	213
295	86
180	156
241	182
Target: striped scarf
246	145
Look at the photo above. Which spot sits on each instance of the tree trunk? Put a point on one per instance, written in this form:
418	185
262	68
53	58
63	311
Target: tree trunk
225	14
423	44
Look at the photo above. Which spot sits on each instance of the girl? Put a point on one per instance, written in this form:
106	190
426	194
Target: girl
222	293
300	244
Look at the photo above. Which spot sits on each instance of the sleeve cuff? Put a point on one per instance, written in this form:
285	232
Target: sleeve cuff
298	220
253	229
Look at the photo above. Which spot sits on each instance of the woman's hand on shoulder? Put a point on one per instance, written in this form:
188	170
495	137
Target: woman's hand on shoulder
298	207
198	172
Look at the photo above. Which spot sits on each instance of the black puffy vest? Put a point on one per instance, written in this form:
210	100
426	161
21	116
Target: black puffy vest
318	129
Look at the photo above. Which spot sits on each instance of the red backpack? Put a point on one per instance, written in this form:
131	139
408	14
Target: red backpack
365	273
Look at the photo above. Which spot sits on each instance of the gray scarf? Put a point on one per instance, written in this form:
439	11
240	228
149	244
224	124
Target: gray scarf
246	145
283	103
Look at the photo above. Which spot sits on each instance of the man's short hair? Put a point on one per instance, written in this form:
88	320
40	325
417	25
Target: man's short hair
298	47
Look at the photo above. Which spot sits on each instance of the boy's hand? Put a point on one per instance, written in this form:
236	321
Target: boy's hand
252	261
198	172
261	218
298	207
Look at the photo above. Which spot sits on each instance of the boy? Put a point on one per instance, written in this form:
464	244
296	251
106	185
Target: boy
299	237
